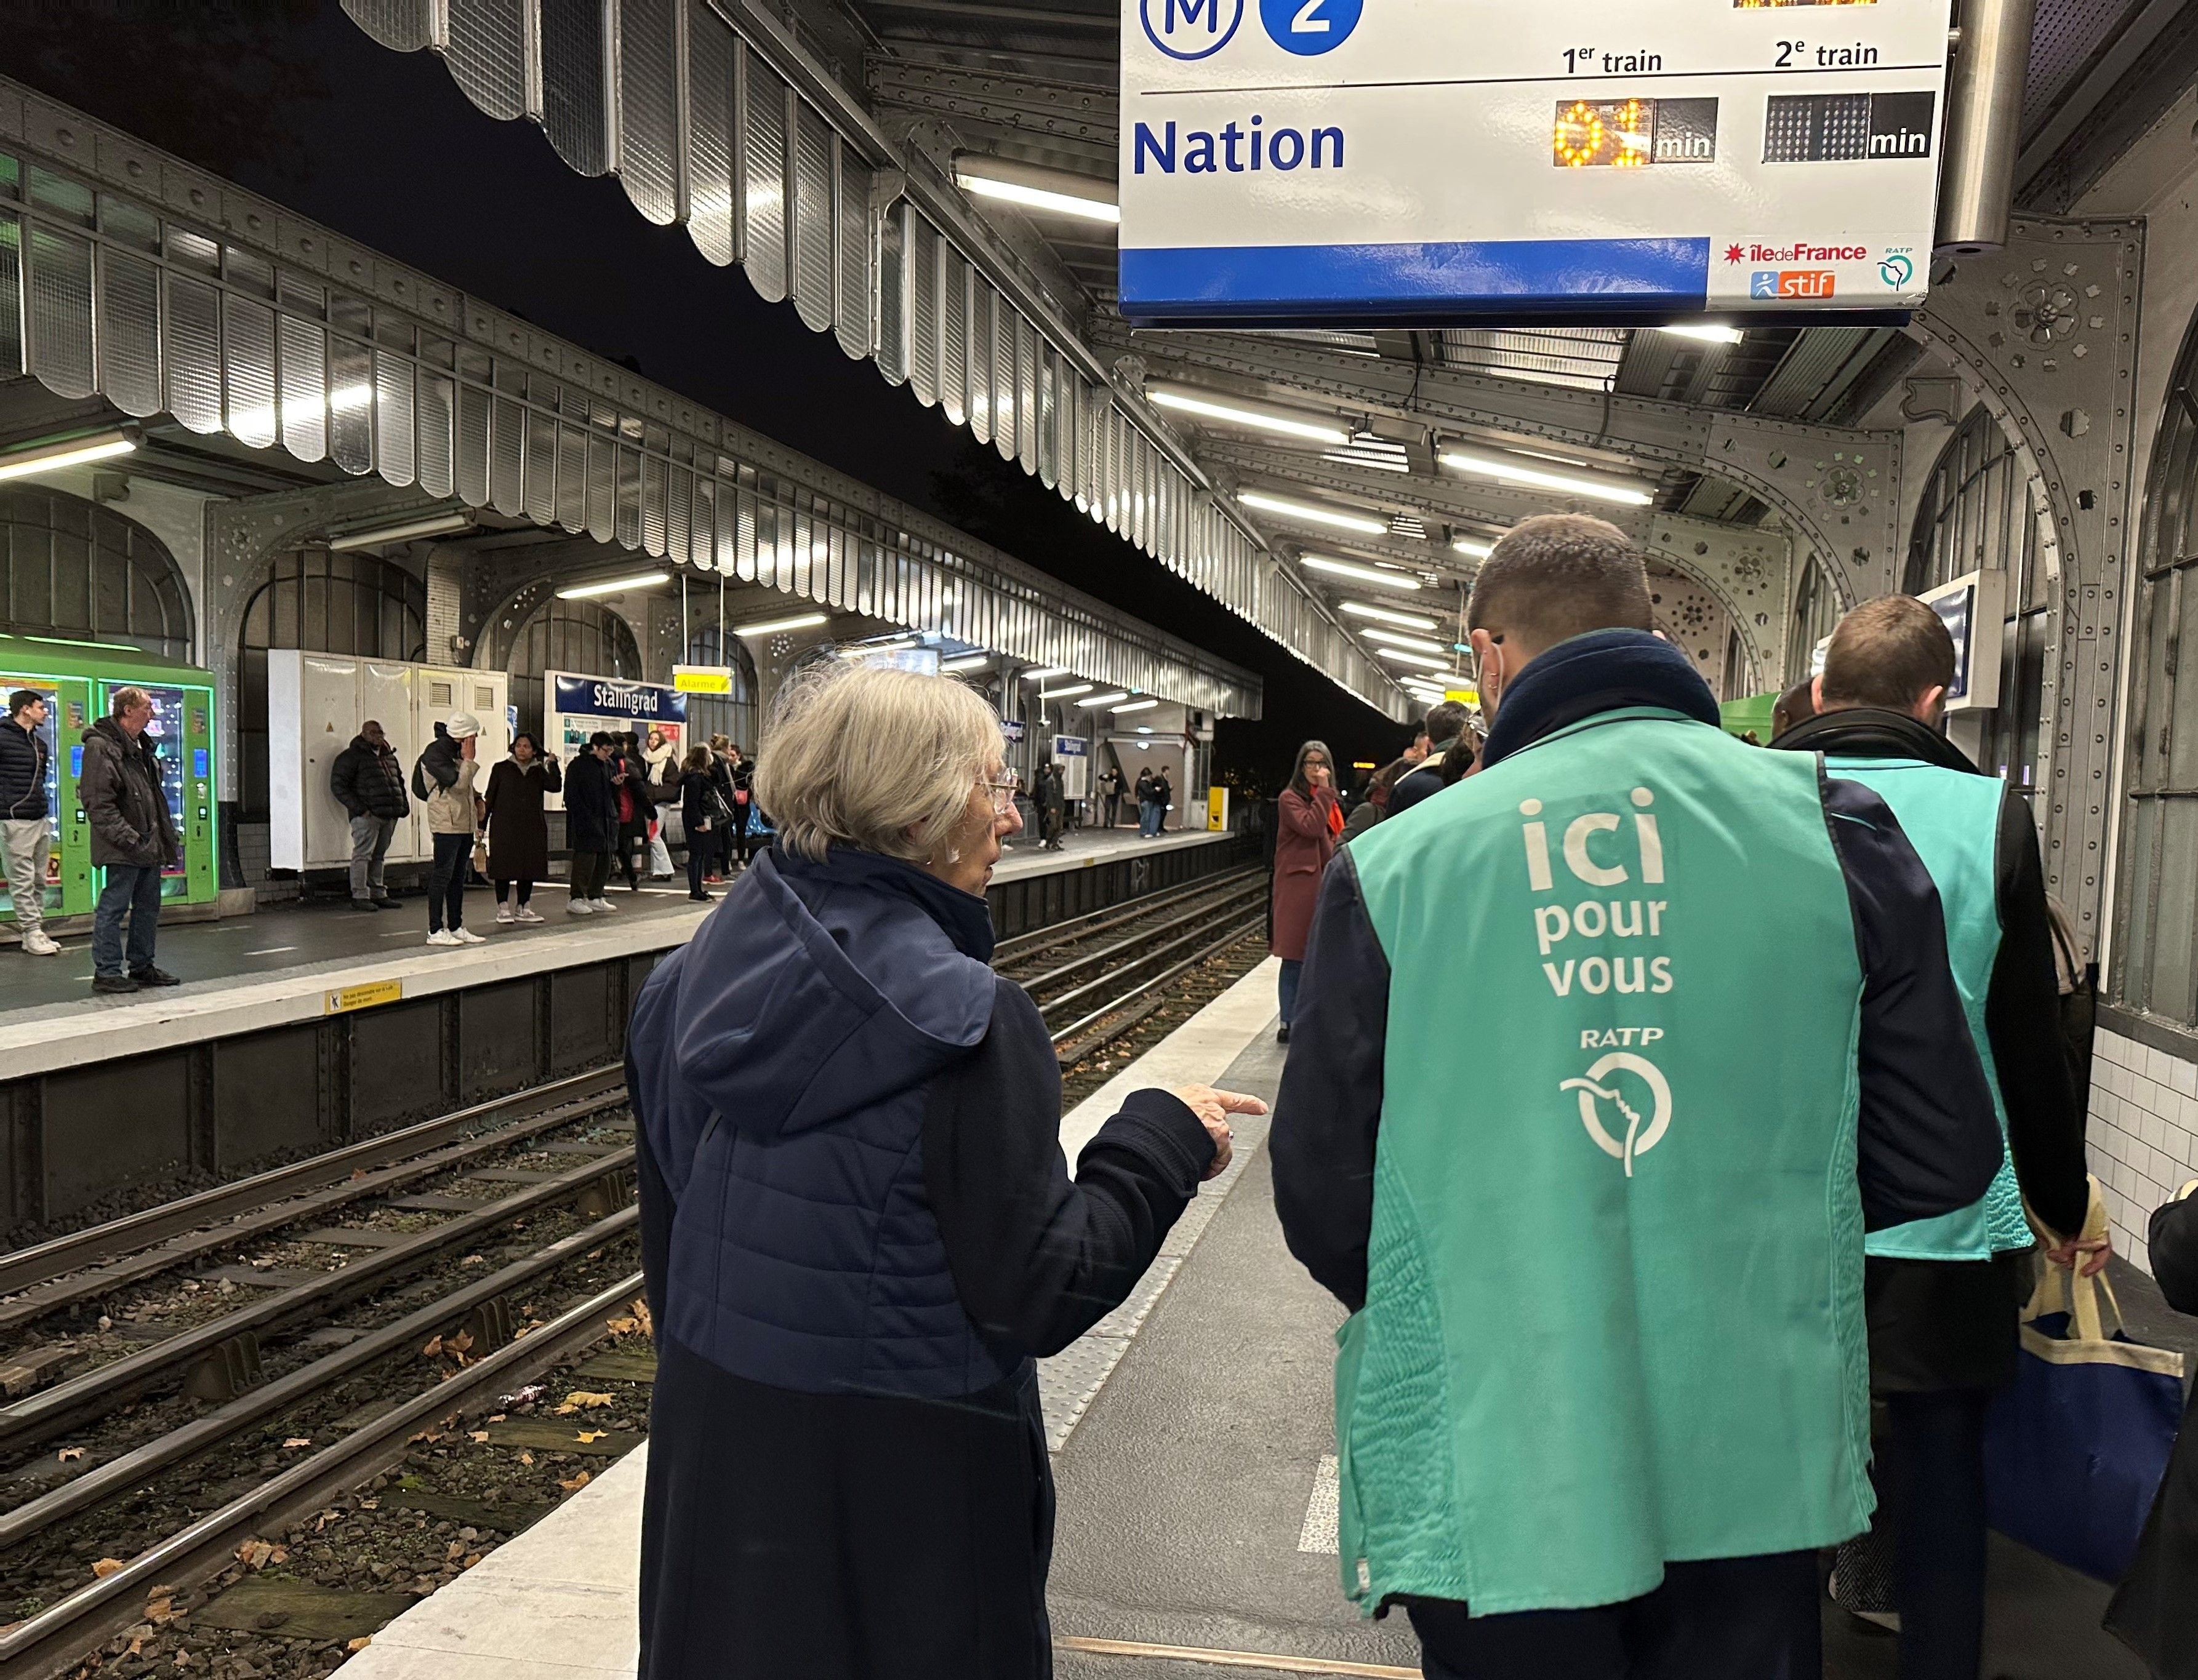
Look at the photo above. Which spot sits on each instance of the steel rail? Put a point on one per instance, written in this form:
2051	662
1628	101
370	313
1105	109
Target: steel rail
96	1391
1114	915
1242	931
48	1642
27	1267
1204	913
1078	994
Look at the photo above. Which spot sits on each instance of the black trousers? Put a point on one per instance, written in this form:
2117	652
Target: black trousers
1728	1618
446	889
1932	1472
697	861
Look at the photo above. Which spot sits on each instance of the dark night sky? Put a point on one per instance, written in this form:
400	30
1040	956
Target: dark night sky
289	98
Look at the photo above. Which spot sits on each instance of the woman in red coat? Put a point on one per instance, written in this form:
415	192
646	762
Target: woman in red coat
1304	840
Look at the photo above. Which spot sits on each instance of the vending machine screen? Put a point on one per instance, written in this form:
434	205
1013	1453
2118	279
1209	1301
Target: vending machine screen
167	731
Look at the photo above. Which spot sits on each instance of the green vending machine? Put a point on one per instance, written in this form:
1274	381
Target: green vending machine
78	679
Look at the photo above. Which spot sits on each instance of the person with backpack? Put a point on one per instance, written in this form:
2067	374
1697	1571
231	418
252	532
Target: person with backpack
591	826
444	778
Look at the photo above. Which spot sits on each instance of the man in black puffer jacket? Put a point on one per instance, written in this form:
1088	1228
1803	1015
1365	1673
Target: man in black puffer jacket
25	825
368	783
133	839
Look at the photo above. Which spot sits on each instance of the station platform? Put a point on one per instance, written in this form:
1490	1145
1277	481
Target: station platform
1193	1454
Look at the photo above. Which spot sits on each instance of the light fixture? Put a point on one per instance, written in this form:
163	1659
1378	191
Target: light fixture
1039	673
1425	662
1137	706
772	626
639	580
865	649
1471	549
1068	693
1314	513
1409	620
1220	405
1362	574
1706	335
1097	701
1514	469
56	452
965	662
1062	192
1395	638
404	531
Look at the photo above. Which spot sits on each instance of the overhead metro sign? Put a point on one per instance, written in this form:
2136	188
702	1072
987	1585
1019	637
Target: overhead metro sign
1308	161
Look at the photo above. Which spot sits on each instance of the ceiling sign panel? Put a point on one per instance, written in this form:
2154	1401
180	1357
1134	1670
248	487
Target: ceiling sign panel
1310	161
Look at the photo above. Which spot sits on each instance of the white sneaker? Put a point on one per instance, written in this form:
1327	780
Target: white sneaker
503	914
601	906
579	907
466	936
40	944
442	936
526	915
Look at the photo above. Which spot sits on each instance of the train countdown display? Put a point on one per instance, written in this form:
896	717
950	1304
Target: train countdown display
1305	162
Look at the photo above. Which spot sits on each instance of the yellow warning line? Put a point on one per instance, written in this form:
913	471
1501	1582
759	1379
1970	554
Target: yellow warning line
1271	1663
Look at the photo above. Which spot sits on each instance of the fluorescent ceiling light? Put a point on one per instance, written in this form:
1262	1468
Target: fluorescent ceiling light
1362	574
1245	411
1068	693
772	626
1409	620
56	452
1137	706
1471	549
640	580
1097	701
1706	335
1513	469
863	650
406	530
965	662
1394	638
1424	661
1031	187
1143	729
1341	519
1039	673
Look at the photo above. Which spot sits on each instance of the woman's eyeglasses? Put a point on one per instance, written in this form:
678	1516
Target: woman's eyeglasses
1002	791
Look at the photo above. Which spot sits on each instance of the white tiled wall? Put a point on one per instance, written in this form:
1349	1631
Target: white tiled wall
2143	1132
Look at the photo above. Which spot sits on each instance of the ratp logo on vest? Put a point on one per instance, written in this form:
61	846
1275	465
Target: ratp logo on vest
1641	1133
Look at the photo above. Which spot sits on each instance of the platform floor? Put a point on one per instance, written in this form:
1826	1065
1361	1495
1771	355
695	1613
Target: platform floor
1084	848
1193	1458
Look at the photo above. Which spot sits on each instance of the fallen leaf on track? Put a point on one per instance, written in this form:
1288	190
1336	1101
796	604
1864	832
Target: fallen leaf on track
66	1453
575	1486
105	1566
587	1435
298	1441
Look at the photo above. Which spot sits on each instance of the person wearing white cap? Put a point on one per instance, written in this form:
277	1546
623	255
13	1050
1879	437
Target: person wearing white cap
444	779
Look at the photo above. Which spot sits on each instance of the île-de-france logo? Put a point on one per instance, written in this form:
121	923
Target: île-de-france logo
1629	1132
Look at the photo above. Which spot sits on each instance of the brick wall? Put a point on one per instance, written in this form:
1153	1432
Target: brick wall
2143	1132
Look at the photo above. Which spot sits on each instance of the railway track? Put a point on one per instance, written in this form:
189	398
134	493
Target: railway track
361	1273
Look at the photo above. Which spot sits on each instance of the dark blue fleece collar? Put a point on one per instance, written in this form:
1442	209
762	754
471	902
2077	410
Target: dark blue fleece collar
967	918
1603	670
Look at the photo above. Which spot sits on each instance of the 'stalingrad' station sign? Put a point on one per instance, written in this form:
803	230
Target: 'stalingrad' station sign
1329	160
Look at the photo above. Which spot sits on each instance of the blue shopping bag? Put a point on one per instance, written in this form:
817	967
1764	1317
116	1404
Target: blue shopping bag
2075	1450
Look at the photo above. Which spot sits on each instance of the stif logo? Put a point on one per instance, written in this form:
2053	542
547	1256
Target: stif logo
1640	1136
1190	29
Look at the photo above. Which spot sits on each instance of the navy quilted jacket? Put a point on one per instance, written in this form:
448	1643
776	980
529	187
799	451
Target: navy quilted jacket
781	1064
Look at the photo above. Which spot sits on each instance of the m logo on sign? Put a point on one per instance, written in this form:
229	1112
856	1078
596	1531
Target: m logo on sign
1190	29
1638	1133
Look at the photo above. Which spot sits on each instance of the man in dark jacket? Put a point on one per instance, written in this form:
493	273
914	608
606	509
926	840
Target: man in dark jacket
1446	724
1942	1295
368	783
133	839
25	825
591	825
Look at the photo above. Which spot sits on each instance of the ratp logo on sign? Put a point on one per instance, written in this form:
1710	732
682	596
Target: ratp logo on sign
1190	29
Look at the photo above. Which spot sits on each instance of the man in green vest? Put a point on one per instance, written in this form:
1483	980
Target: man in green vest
1942	1295
1603	1390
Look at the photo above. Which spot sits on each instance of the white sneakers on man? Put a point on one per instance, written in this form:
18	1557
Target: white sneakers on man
526	915
601	906
466	936
579	907
442	936
37	943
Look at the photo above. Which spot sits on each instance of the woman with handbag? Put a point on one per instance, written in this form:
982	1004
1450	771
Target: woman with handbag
702	813
518	832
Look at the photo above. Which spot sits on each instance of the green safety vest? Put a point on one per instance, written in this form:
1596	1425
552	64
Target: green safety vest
1952	820
1614	1312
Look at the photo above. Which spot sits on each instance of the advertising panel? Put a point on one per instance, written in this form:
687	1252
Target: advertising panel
578	706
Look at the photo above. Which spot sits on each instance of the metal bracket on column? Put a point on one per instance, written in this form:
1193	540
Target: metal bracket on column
1842	498
1751	572
2048	330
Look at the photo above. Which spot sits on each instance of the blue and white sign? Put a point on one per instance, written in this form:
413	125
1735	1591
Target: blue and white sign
1071	746
612	699
1011	732
1327	161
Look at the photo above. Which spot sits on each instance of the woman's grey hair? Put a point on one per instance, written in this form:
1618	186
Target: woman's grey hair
878	759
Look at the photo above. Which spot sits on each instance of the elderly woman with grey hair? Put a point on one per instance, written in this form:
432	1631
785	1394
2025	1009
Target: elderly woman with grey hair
856	1227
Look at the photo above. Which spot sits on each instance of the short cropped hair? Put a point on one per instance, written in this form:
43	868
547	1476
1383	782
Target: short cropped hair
22	698
127	700
878	759
1443	721
1557	576
602	738
1888	651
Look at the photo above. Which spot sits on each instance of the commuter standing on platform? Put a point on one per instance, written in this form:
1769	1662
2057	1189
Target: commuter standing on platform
1163	799
1047	796
662	757
727	773
856	1227
133	839
447	780
1148	818
368	783
1943	1294
636	805
1730	1042
1444	729
1308	819
1110	796
591	826
518	829
25	817
702	813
